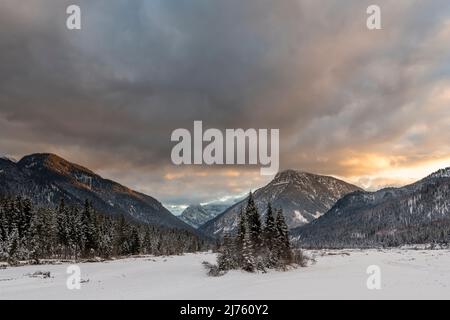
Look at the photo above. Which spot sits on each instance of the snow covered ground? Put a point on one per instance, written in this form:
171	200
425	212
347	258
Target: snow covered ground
410	274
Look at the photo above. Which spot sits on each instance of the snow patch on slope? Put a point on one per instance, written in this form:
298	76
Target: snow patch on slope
8	158
299	217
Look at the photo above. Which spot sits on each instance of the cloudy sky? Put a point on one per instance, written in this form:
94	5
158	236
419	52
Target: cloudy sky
371	107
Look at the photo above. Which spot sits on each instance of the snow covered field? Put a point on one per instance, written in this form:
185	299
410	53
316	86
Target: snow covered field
410	274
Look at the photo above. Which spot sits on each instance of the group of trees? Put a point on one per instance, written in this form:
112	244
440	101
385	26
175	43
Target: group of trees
67	232
421	215
256	246
435	233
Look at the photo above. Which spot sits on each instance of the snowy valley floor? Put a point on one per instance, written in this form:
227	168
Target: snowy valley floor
408	274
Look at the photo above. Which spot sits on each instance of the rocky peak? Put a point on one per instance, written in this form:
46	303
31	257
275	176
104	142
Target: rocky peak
443	173
51	162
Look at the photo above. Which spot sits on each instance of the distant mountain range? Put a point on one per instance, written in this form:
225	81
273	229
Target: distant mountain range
196	215
320	211
47	178
303	197
417	213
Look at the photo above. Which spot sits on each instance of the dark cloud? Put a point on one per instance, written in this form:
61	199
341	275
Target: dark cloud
109	96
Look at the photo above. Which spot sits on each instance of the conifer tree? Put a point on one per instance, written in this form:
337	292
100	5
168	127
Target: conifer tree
62	227
227	259
105	244
13	246
270	230
23	216
242	229
89	229
75	231
41	235
270	238
3	224
248	258
253	224
147	242
72	232
283	243
135	243
13	217
121	243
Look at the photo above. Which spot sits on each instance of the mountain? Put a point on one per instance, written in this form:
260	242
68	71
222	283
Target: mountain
197	215
8	158
417	213
303	197
47	178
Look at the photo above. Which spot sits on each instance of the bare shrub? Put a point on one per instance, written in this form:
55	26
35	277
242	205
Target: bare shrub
213	270
299	258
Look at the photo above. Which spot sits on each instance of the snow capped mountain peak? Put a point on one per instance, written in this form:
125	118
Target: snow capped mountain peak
196	214
294	177
194	206
390	216
303	197
290	175
54	163
47	178
8	158
443	173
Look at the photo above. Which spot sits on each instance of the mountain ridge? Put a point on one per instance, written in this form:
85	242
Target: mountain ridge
197	214
418	212
46	178
303	197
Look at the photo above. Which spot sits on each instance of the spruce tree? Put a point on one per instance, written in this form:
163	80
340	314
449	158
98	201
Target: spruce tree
41	235
270	238
270	230
3	224
227	259
248	257
135	243
147	242
62	227
13	217
23	216
121	243
283	244
19	217
89	229
242	229
75	231
105	244
13	246
253	224
68	230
